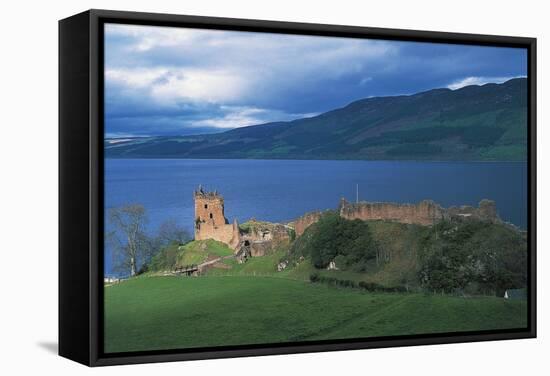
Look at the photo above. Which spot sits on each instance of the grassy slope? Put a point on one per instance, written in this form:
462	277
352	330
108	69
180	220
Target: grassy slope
404	245
253	303
194	252
259	266
400	241
151	313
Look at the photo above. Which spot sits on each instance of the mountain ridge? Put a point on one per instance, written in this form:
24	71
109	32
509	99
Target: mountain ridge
487	122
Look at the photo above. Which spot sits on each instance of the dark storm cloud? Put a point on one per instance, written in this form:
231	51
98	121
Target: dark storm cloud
161	80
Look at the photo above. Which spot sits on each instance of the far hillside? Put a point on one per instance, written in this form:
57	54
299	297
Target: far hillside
486	123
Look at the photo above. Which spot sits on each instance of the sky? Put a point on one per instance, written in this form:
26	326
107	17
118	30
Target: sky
183	81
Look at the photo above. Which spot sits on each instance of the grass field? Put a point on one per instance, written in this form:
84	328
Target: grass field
153	313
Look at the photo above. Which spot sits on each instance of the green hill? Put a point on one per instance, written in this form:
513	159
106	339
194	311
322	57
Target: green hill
470	257
466	257
194	252
486	122
392	279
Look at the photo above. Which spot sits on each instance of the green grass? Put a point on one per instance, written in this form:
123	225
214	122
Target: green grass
255	266
153	313
196	252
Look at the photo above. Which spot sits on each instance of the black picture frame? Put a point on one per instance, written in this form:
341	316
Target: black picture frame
81	185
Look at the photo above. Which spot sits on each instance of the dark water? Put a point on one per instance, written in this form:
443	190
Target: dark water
278	190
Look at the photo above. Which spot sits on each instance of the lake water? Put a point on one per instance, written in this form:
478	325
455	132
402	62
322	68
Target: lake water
280	190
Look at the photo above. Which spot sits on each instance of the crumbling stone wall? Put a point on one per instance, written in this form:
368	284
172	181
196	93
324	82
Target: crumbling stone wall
263	237
425	213
260	248
486	211
305	221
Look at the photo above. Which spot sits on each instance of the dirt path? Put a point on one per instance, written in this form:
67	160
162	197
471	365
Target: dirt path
212	262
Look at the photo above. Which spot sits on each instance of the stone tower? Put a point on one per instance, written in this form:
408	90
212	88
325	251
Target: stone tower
210	221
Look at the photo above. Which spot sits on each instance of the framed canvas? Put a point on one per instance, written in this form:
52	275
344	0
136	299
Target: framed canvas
234	187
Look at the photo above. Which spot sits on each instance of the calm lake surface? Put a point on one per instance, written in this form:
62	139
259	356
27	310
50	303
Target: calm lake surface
280	190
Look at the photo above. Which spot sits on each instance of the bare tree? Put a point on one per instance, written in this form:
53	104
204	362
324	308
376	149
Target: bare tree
170	231
128	238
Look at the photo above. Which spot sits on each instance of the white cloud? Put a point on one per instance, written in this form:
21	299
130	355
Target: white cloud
231	72
119	137
256	59
234	68
235	117
169	85
364	81
148	37
229	79
200	85
467	81
246	45
134	78
241	116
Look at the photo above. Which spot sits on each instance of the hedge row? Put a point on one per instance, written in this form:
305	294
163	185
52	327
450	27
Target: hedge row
367	286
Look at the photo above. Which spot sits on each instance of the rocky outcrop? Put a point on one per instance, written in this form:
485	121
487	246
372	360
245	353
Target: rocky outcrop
282	265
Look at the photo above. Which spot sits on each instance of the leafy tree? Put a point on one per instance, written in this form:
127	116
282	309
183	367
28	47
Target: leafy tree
349	243
170	232
131	246
474	255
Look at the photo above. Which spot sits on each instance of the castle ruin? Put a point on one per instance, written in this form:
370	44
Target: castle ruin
256	239
210	221
425	213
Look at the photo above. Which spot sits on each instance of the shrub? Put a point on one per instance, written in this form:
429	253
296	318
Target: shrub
144	269
335	238
473	257
292	234
370	286
347	283
314	277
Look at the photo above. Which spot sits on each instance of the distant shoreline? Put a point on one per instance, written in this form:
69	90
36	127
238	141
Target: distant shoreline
317	159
